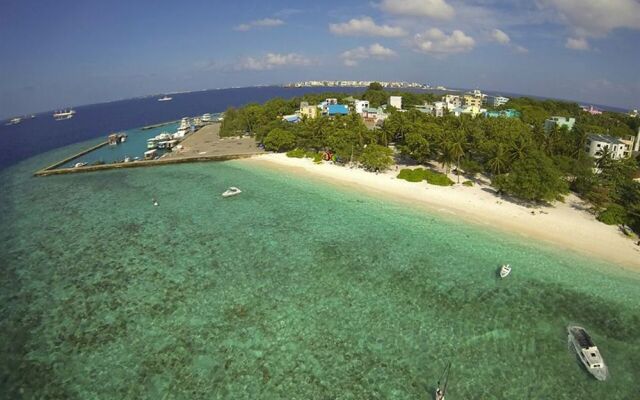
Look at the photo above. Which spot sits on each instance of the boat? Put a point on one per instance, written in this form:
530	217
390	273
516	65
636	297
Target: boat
587	352
14	121
441	392
206	118
183	129
505	270
79	164
63	114
232	191
165	98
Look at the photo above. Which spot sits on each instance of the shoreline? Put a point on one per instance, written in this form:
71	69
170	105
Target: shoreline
563	226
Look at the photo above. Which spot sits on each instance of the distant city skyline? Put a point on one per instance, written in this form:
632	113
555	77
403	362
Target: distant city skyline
64	54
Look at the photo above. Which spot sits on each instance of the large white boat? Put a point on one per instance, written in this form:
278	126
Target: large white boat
184	129
587	351
63	114
165	98
207	118
14	121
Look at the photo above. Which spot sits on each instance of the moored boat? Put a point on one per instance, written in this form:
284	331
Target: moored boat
165	98
505	270
232	191
588	352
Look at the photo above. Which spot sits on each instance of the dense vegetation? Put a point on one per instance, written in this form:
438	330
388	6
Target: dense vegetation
521	158
421	174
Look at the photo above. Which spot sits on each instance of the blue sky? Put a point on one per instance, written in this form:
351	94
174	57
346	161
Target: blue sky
57	54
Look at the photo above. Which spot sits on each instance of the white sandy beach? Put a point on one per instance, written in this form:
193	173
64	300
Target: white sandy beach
566	224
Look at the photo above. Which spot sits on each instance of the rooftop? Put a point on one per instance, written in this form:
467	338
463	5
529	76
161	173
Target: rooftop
605	139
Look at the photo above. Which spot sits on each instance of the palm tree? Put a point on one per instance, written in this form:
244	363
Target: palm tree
518	150
445	156
605	159
457	144
498	162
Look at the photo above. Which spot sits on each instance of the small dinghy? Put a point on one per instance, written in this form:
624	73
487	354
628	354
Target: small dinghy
232	191
505	270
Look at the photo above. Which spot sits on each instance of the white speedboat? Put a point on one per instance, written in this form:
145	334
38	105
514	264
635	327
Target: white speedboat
232	191
587	351
79	164
64	114
165	98
505	270
14	121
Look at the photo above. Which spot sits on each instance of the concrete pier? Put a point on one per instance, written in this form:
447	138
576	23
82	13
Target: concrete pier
203	145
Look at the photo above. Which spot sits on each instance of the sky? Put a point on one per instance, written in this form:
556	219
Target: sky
68	53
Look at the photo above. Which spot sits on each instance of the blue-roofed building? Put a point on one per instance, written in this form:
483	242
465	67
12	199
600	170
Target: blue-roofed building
337	109
291	118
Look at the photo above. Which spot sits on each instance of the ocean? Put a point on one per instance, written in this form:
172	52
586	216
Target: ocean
295	289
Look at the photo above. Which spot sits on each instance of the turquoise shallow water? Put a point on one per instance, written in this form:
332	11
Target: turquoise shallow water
292	290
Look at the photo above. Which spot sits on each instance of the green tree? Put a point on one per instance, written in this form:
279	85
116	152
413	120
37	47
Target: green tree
375	86
376	158
279	140
535	178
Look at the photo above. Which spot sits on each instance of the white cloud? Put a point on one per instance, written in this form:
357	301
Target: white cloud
438	9
272	61
376	50
500	37
365	26
597	17
260	23
521	49
577	44
436	42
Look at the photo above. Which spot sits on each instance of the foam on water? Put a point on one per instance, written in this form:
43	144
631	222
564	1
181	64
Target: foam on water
293	289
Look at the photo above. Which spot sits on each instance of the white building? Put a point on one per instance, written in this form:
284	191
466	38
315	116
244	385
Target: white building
499	101
396	101
360	105
452	101
618	148
559	122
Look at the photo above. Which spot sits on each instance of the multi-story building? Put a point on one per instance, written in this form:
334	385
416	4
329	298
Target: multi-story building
308	111
360	105
472	101
452	101
617	147
559	122
396	101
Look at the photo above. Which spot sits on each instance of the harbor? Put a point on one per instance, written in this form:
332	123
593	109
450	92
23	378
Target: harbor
193	140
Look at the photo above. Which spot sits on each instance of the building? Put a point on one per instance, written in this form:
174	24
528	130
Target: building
293	118
559	122
470	110
396	101
337	109
509	113
436	109
591	110
452	101
498	101
619	148
308	111
472	101
360	105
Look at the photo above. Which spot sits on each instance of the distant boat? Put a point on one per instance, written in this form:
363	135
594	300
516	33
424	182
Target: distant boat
505	270
232	191
79	164
587	351
14	121
165	98
63	114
